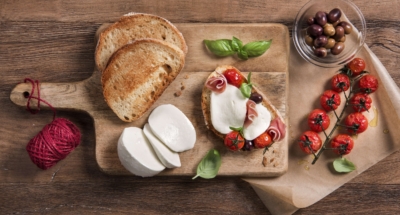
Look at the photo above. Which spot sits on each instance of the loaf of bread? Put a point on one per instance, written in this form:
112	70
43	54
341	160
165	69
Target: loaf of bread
137	74
206	99
131	27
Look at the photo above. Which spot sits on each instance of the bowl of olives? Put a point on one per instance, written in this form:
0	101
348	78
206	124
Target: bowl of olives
329	33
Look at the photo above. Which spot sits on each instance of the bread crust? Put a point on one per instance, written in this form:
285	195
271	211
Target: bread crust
206	99
135	26
137	75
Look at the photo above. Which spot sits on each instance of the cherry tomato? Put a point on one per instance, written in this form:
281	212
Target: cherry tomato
340	82
356	123
310	142
361	102
330	100
368	84
342	144
318	120
263	140
357	65
234	141
234	78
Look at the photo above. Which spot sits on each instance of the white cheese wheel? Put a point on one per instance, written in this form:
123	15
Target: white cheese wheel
172	127
228	109
136	153
167	157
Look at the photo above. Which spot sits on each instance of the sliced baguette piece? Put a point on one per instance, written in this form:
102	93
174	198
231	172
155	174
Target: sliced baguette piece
131	27
206	99
138	73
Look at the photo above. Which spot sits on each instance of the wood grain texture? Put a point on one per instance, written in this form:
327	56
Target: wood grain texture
53	41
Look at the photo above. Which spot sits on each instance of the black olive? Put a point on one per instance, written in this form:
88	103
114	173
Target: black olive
334	15
339	33
338	48
320	52
248	145
256	97
310	20
315	30
320	41
320	18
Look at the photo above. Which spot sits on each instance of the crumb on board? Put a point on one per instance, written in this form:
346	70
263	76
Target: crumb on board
186	76
265	161
178	93
182	87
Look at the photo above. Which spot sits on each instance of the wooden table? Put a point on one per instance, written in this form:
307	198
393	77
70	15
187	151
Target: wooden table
52	41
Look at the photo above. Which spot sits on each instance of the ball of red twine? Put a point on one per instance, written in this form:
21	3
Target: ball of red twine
55	141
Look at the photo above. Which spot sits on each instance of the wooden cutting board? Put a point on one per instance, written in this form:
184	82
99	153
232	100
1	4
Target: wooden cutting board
269	74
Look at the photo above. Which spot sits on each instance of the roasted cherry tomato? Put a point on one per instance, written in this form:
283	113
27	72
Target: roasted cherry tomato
356	123
357	66
330	100
310	142
262	141
318	120
234	141
342	144
368	84
340	82
361	102
234	78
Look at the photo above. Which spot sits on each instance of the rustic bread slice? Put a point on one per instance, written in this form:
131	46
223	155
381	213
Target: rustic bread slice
131	27
137	74
206	98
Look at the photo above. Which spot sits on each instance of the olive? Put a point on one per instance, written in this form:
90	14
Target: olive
331	42
342	39
329	30
310	20
338	48
248	145
256	97
320	41
335	23
320	18
314	30
347	27
334	15
339	33
309	40
320	52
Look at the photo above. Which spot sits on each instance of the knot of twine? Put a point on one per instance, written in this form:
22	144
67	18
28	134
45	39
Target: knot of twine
55	141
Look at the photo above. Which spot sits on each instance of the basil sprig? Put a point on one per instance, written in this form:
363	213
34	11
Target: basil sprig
343	165
226	47
245	88
209	165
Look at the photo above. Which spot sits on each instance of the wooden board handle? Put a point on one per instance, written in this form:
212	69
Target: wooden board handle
75	96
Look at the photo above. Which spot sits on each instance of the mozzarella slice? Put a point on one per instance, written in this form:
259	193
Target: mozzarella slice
136	153
172	127
259	125
167	157
228	109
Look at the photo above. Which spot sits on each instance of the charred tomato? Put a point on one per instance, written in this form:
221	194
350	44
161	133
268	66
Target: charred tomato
357	66
342	144
330	100
340	82
318	120
234	141
310	142
361	102
356	123
368	84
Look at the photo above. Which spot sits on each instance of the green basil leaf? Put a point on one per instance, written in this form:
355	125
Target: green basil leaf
257	48
242	54
245	88
209	165
343	165
221	48
236	44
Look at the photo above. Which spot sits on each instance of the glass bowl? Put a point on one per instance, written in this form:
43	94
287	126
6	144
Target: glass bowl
354	40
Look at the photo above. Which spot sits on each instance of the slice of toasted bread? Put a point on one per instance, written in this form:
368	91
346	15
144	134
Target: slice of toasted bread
137	74
131	27
206	99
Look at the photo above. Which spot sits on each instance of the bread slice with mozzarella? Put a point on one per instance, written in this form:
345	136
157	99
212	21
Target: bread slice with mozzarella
134	26
228	109
137	75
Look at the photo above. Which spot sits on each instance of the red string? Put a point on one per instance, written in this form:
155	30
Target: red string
56	140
